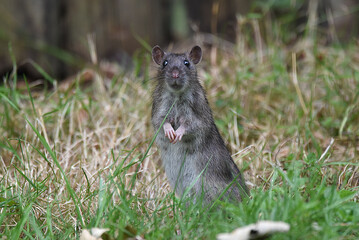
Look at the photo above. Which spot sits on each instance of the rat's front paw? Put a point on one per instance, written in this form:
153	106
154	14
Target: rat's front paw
169	131
179	134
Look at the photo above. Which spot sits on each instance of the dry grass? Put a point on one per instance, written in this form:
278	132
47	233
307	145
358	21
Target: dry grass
271	111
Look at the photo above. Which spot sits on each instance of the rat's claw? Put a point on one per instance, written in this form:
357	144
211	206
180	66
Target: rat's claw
169	131
172	135
179	134
177	139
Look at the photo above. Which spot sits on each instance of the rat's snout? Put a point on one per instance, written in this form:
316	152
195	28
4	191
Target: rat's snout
175	79
175	73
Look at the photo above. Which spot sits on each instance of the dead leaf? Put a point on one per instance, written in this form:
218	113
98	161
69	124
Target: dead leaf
258	230
93	233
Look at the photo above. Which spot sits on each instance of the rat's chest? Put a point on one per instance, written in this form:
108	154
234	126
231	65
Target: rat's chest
178	113
180	164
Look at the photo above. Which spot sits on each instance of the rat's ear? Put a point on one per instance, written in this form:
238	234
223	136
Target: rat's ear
157	54
196	54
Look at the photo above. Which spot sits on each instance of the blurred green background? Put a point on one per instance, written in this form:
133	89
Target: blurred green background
55	33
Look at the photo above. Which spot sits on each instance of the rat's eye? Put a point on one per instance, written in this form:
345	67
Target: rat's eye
165	62
185	62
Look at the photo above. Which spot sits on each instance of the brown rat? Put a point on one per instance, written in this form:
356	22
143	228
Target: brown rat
192	150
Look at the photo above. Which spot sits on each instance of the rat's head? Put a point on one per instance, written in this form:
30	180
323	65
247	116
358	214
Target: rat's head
177	70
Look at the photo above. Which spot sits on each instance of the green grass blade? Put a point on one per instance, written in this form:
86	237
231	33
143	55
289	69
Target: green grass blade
101	202
30	95
16	232
24	176
36	228
42	72
54	158
12	104
49	222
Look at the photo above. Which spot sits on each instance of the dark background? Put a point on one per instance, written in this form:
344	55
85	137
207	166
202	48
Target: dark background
54	33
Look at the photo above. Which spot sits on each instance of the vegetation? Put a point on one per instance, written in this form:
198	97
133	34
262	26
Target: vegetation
80	155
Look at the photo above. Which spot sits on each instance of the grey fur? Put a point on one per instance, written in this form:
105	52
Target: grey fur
201	147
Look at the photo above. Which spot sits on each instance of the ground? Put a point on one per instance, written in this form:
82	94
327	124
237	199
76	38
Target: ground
79	154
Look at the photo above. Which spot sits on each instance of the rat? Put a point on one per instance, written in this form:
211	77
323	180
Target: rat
194	155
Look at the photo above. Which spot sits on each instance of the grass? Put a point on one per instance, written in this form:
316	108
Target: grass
80	155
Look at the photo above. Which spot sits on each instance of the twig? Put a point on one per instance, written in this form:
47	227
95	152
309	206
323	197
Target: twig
258	39
326	150
244	149
296	85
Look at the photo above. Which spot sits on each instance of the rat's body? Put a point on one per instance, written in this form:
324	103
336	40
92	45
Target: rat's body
192	150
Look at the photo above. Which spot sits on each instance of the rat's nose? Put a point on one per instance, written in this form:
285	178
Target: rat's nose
175	73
